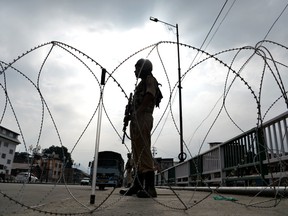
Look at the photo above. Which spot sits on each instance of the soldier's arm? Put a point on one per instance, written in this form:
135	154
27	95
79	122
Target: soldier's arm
148	97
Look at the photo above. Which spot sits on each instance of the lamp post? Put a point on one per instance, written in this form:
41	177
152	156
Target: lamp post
182	155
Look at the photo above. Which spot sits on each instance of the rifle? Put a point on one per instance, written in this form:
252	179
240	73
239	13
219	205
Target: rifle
127	116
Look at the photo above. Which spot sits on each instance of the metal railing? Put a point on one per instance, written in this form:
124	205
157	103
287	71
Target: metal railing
254	158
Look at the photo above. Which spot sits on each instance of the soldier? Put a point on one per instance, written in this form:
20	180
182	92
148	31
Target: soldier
143	103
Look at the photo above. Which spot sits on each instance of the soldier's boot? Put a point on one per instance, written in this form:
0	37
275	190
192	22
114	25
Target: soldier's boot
137	185
150	190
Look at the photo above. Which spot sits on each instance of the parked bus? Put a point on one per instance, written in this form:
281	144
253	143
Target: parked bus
110	170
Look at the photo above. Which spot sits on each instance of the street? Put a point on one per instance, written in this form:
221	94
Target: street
48	199
38	195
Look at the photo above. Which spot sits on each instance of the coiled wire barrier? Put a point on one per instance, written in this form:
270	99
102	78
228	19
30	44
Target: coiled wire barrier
269	62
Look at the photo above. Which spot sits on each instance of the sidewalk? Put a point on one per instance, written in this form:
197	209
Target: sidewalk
167	203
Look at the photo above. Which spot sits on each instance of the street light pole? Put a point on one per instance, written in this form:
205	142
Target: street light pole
182	155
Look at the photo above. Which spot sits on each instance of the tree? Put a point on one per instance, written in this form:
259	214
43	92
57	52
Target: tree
63	153
21	157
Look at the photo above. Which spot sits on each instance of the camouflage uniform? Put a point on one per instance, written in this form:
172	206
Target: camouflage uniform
129	168
141	125
143	103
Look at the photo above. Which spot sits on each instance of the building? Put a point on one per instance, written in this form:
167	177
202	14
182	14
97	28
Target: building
8	142
46	167
163	163
50	167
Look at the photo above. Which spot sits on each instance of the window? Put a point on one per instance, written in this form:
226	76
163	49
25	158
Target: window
8	161
11	151
3	156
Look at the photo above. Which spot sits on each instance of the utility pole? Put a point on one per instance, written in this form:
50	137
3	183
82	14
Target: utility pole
182	155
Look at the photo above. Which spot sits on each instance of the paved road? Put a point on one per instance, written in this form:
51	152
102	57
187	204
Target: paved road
41	199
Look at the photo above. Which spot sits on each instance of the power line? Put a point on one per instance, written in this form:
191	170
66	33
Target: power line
220	25
209	31
275	21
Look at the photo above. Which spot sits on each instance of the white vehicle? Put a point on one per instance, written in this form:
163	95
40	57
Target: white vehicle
26	177
85	181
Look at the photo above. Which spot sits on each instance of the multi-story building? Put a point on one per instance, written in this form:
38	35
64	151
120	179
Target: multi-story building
51	167
8	142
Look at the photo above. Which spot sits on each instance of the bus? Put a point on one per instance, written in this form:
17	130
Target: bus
110	170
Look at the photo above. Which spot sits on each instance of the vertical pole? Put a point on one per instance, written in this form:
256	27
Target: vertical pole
181	155
92	196
260	142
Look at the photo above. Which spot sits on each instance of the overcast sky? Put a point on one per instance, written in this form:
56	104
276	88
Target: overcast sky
111	31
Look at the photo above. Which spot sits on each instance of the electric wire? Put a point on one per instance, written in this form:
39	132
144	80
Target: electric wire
220	12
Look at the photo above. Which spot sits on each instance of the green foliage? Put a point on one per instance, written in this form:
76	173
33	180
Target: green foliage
21	157
62	152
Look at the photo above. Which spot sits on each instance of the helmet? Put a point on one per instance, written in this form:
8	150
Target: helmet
144	64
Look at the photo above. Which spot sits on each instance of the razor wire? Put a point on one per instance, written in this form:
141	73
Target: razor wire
258	50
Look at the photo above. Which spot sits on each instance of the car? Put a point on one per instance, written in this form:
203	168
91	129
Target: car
26	177
85	181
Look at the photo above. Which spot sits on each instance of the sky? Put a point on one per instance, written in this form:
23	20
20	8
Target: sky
60	48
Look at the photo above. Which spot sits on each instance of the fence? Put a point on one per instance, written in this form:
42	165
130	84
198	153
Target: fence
254	158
